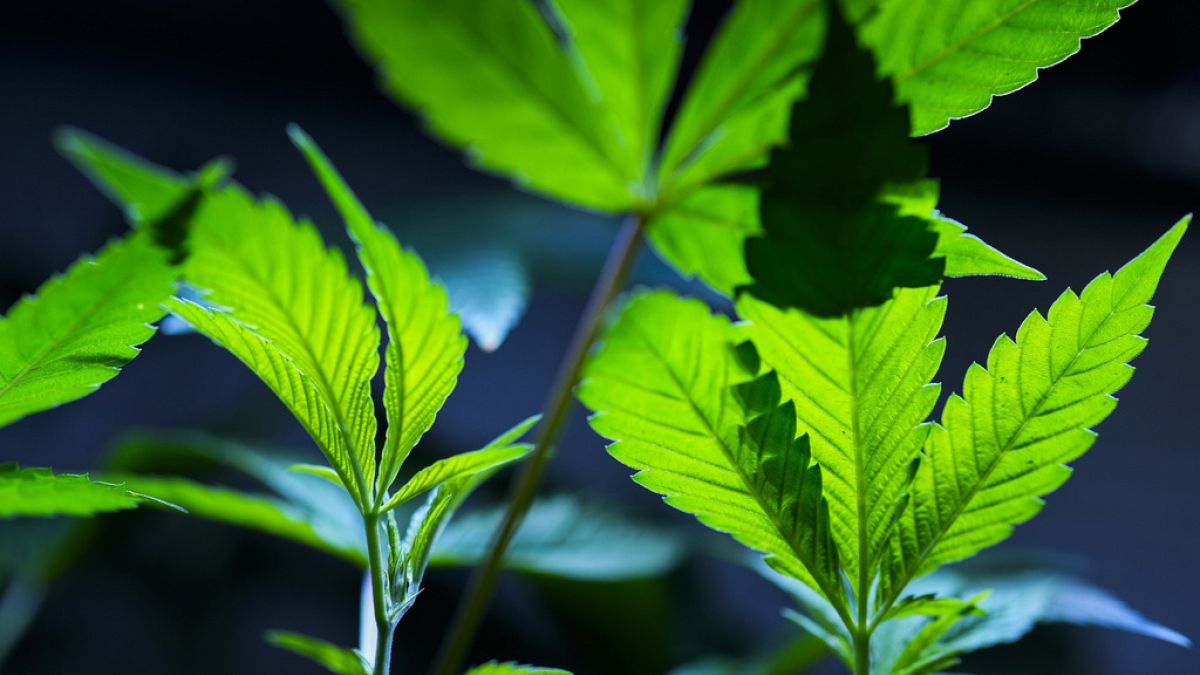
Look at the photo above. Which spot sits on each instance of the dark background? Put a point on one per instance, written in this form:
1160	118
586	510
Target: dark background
1073	175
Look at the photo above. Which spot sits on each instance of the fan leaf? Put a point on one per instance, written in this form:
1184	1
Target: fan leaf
74	334
861	389
949	58
289	309
425	342
631	51
729	457
493	78
1005	442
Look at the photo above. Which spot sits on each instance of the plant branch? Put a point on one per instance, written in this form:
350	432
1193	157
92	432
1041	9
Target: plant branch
383	622
555	414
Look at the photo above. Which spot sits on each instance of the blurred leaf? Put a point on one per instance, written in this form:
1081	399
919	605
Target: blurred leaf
243	509
1024	592
796	656
948	58
288	308
631	50
829	244
425	345
40	492
335	659
488	287
151	196
704	235
493	78
79	328
736	107
510	668
305	508
567	537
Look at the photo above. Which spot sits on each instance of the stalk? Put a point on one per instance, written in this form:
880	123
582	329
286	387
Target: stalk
862	653
554	414
383	623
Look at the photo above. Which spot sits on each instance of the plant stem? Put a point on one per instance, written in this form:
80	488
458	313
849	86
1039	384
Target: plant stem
554	415
383	623
862	653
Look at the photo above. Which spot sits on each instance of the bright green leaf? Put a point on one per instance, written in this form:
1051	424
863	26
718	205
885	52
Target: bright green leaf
1005	442
333	658
736	108
79	328
451	468
861	389
493	78
425	345
41	492
424	527
663	388
950	57
289	309
631	51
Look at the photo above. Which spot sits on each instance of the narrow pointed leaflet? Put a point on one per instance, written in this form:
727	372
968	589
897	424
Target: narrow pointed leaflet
425	343
287	307
1005	442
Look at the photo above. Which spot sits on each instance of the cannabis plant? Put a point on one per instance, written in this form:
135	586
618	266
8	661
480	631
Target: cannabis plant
788	181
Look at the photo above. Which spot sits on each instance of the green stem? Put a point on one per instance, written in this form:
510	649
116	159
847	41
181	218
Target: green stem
862	653
554	415
383	623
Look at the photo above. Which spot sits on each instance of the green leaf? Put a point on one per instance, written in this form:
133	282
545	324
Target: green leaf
425	345
303	508
333	658
252	511
1005	442
511	668
829	243
704	235
662	388
41	492
493	78
153	198
1022	593
289	309
564	536
966	255
424	527
631	51
78	329
861	388
145	191
736	107
948	58
451	468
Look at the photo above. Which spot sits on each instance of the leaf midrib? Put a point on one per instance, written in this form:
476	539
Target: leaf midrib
1035	412
955	47
737	468
719	111
322	378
